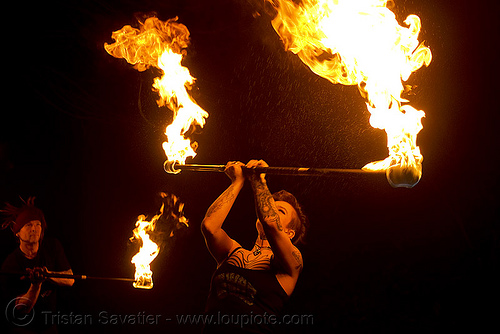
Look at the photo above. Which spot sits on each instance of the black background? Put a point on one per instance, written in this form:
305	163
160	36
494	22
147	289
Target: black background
81	131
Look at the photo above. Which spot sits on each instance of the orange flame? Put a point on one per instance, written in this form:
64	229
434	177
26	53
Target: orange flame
147	253
162	45
359	42
171	211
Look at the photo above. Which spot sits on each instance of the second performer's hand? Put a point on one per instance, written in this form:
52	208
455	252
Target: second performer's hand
37	275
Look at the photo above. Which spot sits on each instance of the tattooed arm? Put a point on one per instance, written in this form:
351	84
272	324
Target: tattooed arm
218	242
270	215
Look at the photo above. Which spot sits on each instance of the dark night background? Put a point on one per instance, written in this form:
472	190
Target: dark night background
81	131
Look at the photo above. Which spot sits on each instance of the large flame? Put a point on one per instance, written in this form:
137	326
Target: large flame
162	44
148	233
359	42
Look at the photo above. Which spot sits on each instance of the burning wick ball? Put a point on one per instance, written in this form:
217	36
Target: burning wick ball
403	177
169	167
144	281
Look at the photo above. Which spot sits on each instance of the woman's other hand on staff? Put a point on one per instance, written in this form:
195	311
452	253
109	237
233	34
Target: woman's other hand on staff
252	175
235	172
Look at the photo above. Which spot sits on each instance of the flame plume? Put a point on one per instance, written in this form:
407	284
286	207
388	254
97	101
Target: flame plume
147	253
359	42
162	44
151	233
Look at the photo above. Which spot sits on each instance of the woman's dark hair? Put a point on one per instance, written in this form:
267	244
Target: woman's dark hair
300	223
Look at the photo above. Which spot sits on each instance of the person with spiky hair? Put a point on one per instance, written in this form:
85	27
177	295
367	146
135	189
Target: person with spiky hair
35	257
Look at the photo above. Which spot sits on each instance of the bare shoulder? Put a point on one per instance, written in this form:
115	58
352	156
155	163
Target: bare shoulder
297	255
288	278
231	249
292	263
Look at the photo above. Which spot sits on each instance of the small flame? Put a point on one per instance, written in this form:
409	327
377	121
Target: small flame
359	42
169	219
147	252
162	45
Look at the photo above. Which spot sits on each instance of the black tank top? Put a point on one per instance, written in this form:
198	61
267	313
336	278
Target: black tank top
240	295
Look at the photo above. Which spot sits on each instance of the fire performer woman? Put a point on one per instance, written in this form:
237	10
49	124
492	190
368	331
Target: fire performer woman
250	287
35	256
